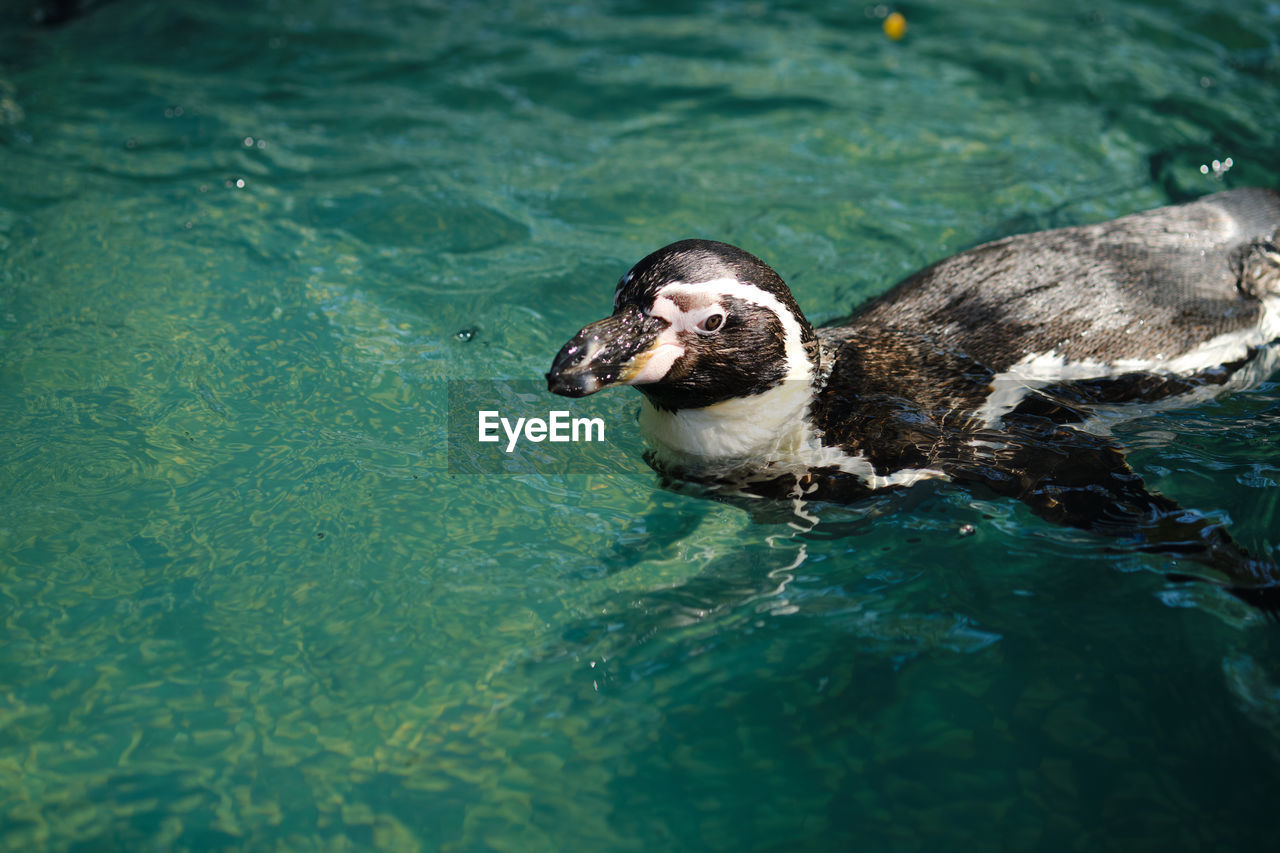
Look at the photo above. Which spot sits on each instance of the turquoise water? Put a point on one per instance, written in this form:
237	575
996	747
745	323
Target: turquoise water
246	251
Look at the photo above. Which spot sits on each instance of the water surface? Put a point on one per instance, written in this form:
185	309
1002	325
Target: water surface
246	248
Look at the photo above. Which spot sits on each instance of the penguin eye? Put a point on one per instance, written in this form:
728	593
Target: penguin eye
710	324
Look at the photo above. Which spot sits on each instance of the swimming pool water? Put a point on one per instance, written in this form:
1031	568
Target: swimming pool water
250	600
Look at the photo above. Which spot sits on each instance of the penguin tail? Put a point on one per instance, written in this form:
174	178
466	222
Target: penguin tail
1263	598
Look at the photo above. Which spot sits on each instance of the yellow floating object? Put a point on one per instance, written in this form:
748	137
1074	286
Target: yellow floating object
895	26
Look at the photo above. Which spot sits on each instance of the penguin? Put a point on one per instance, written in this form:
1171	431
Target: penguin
997	368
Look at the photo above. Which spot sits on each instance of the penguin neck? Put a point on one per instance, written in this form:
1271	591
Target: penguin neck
753	430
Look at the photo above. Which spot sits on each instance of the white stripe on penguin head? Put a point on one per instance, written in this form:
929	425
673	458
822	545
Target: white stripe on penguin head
664	306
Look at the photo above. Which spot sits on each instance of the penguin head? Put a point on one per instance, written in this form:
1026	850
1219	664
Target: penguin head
694	324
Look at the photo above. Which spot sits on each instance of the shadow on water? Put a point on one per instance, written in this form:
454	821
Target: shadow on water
792	691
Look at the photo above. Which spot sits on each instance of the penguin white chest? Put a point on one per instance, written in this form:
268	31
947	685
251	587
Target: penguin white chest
765	427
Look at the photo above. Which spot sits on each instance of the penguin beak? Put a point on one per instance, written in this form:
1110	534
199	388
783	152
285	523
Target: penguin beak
628	348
